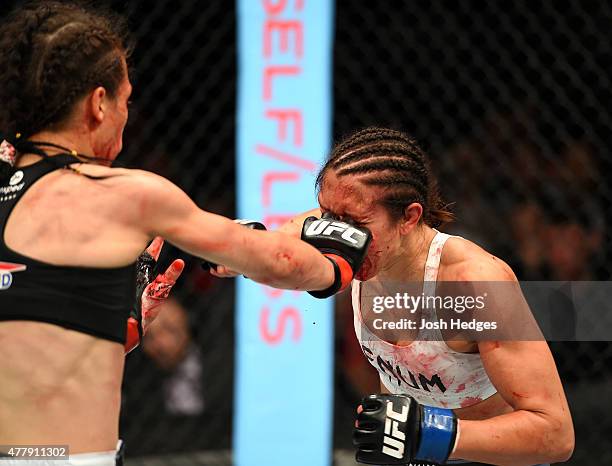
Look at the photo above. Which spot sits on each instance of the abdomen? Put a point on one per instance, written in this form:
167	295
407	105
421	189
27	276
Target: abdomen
58	386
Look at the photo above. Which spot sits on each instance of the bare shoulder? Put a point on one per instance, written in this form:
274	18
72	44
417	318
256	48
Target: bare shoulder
135	195
466	261
133	182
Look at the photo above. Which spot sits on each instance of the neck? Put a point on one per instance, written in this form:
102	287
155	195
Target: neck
71	139
410	264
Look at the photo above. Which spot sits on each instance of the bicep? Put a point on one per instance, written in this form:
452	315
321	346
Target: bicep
524	374
167	211
523	371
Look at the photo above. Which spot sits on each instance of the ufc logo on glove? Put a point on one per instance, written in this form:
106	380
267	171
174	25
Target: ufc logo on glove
343	244
329	228
394	438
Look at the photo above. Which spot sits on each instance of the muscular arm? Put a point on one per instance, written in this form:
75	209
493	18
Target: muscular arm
293	228
540	429
272	258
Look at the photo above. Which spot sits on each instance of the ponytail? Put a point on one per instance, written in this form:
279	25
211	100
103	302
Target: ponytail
438	212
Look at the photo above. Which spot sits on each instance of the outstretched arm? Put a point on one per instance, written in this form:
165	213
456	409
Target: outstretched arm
293	228
272	258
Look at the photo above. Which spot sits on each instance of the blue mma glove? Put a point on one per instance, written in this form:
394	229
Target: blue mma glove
396	430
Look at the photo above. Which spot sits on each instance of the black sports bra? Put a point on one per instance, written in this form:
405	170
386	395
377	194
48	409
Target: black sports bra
95	301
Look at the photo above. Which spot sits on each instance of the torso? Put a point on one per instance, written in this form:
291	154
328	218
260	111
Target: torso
67	219
59	385
421	363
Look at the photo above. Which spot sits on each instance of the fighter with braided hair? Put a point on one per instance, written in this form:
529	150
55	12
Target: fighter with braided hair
472	401
72	228
495	402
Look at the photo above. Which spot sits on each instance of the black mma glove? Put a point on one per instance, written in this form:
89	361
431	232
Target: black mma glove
151	291
252	224
396	430
345	245
145	271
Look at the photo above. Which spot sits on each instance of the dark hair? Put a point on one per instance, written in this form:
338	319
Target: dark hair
394	160
52	54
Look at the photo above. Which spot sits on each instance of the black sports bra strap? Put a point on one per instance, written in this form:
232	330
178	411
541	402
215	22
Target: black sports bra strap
62	160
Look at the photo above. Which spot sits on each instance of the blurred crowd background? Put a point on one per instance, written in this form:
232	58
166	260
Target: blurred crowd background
512	101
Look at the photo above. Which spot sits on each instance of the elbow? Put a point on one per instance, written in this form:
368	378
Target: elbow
565	449
566	439
559	441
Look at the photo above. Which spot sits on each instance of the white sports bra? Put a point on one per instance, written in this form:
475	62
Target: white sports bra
427	369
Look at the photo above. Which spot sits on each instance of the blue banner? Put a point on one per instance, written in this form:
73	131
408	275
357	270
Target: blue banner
284	355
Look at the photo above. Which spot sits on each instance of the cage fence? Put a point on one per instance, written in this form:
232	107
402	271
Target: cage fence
511	101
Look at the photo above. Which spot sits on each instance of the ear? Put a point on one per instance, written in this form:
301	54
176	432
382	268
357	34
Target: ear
97	103
412	216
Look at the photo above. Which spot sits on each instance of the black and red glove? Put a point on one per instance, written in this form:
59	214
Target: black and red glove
150	293
345	245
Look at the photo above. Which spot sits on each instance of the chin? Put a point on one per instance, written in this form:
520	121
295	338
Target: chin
369	268
365	272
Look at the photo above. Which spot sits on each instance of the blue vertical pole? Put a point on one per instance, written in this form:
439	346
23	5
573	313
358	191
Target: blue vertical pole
284	354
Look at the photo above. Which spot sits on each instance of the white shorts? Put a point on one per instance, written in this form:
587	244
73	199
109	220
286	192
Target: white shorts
104	458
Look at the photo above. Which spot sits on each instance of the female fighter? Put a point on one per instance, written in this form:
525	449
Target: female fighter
493	402
71	229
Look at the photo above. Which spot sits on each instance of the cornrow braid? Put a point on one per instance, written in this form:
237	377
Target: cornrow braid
352	154
15	53
397	158
391	159
373	134
397	175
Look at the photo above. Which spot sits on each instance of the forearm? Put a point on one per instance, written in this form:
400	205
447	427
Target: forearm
290	264
294	226
513	439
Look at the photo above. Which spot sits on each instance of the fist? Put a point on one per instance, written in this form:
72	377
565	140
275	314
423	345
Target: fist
342	243
384	431
395	429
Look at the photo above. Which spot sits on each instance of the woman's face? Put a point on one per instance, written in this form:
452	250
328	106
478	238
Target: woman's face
109	140
350	200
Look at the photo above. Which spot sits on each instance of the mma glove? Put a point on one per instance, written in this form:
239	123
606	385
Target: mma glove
150	293
253	225
396	430
345	245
